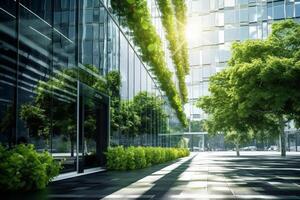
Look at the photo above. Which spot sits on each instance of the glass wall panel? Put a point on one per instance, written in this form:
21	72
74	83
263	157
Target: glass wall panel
124	67
8	57
35	63
297	9
253	32
229	16
137	76
244	32
289	10
64	95
131	68
278	10
229	3
253	14
112	46
244	15
270	10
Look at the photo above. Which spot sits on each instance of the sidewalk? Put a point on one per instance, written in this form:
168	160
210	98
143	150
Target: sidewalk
204	175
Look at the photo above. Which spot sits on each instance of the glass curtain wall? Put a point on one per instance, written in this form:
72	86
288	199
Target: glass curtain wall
215	24
46	46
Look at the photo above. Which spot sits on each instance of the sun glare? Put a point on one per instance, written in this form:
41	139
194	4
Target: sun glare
192	31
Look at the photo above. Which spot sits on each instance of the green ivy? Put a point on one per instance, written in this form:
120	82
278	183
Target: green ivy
181	16
170	25
135	15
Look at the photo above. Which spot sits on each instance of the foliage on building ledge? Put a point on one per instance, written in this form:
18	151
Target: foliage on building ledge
181	16
169	22
135	15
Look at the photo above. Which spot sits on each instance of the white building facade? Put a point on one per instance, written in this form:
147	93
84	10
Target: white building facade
212	27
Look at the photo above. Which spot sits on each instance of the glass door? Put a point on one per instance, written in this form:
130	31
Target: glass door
93	127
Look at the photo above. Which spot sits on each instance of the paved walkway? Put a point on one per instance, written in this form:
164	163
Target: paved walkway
218	175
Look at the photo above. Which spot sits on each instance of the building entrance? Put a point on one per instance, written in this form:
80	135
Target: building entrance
93	127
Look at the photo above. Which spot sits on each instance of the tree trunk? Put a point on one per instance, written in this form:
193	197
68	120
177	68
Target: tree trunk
282	139
72	147
85	147
282	143
237	149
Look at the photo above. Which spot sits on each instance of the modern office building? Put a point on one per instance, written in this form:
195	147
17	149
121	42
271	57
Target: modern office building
52	53
212	27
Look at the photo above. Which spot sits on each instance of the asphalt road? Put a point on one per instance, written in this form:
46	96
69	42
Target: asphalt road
211	175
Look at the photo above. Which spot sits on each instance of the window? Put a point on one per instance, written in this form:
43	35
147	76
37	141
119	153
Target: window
196	74
264	13
253	32
194	58
123	67
297	9
221	36
229	3
204	6
213	4
252	14
265	30
195	91
206	71
270	10
229	16
206	56
219	19
289	10
200	6
244	15
279	10
221	3
195	6
243	2
230	34
224	52
244	33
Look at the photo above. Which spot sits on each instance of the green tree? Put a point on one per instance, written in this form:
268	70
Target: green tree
150	109
222	109
261	84
265	75
128	120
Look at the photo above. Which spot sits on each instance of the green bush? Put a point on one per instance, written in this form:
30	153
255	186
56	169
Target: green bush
120	158
24	169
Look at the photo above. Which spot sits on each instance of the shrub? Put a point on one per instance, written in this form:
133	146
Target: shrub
139	157
116	158
120	158
24	169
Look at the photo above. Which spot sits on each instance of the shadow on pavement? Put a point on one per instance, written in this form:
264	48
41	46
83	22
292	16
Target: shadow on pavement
92	186
263	175
163	185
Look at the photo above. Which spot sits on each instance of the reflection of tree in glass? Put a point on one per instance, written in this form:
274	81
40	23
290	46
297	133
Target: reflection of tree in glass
7	123
150	109
56	99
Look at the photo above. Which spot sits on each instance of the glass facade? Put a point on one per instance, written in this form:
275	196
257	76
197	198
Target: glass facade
215	24
52	53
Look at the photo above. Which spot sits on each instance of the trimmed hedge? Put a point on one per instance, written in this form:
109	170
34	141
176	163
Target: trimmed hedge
120	158
24	169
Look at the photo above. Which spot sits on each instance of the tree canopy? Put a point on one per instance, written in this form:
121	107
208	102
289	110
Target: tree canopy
259	90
